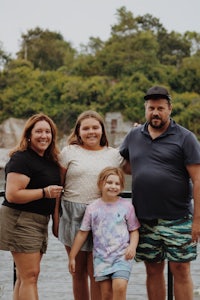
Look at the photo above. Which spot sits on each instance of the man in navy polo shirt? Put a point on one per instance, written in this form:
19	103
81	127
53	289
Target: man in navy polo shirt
164	159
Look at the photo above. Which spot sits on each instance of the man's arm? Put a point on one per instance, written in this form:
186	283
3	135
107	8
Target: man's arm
194	172
126	167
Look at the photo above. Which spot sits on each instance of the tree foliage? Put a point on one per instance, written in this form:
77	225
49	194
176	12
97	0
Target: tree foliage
45	49
50	76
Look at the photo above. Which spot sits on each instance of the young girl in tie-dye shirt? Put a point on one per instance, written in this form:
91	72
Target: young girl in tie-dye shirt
114	228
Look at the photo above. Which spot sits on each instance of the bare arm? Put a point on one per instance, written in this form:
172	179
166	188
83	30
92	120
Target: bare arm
16	191
126	167
194	172
56	215
131	249
63	172
77	244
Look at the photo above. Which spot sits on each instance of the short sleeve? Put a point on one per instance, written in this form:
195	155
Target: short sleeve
191	148
132	220
63	157
19	163
123	149
86	222
120	158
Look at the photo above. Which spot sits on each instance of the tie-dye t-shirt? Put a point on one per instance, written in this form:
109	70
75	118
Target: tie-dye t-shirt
110	224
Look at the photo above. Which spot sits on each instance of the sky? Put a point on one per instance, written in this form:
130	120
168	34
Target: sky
78	20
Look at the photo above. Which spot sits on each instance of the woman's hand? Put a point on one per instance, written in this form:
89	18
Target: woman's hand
53	191
16	191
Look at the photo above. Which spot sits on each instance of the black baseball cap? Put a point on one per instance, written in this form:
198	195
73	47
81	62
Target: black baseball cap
157	92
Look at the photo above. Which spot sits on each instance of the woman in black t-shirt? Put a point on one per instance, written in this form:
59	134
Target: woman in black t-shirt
33	188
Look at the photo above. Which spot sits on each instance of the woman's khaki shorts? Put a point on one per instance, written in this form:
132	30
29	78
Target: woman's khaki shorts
22	231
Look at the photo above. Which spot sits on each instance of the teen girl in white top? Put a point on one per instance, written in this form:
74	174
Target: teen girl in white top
83	159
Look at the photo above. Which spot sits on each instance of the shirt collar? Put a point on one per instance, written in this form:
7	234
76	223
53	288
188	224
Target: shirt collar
170	129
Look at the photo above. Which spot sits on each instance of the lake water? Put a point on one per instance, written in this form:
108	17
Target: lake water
55	280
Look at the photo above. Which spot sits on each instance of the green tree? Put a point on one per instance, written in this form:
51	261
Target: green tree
149	23
194	39
46	50
123	56
52	77
187	77
186	111
4	57
173	47
22	91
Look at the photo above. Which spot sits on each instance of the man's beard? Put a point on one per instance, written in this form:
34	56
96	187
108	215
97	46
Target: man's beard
159	126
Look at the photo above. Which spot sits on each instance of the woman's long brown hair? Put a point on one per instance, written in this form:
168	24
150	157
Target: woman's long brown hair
52	151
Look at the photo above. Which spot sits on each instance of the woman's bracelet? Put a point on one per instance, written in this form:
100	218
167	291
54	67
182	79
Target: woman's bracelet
48	188
43	193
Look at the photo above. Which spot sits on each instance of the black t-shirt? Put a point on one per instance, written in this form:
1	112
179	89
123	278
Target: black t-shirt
42	172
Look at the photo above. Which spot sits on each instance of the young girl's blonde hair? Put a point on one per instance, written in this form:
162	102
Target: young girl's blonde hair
110	171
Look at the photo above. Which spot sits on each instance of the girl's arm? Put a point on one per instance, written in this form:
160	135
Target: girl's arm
77	244
56	217
131	249
63	172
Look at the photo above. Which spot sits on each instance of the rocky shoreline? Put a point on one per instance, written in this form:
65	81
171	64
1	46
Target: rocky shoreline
4	156
11	129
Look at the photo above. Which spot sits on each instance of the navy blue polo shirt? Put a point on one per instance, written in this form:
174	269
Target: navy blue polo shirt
161	185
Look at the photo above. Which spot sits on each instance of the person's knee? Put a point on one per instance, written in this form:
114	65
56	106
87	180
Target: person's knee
33	277
106	289
30	277
106	295
119	287
180	270
30	274
154	269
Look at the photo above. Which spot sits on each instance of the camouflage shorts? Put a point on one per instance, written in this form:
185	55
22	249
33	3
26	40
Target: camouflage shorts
166	239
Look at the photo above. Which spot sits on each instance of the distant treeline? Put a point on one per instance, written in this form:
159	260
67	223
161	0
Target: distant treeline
51	76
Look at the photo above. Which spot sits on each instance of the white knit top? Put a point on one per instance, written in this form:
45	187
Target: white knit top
83	167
